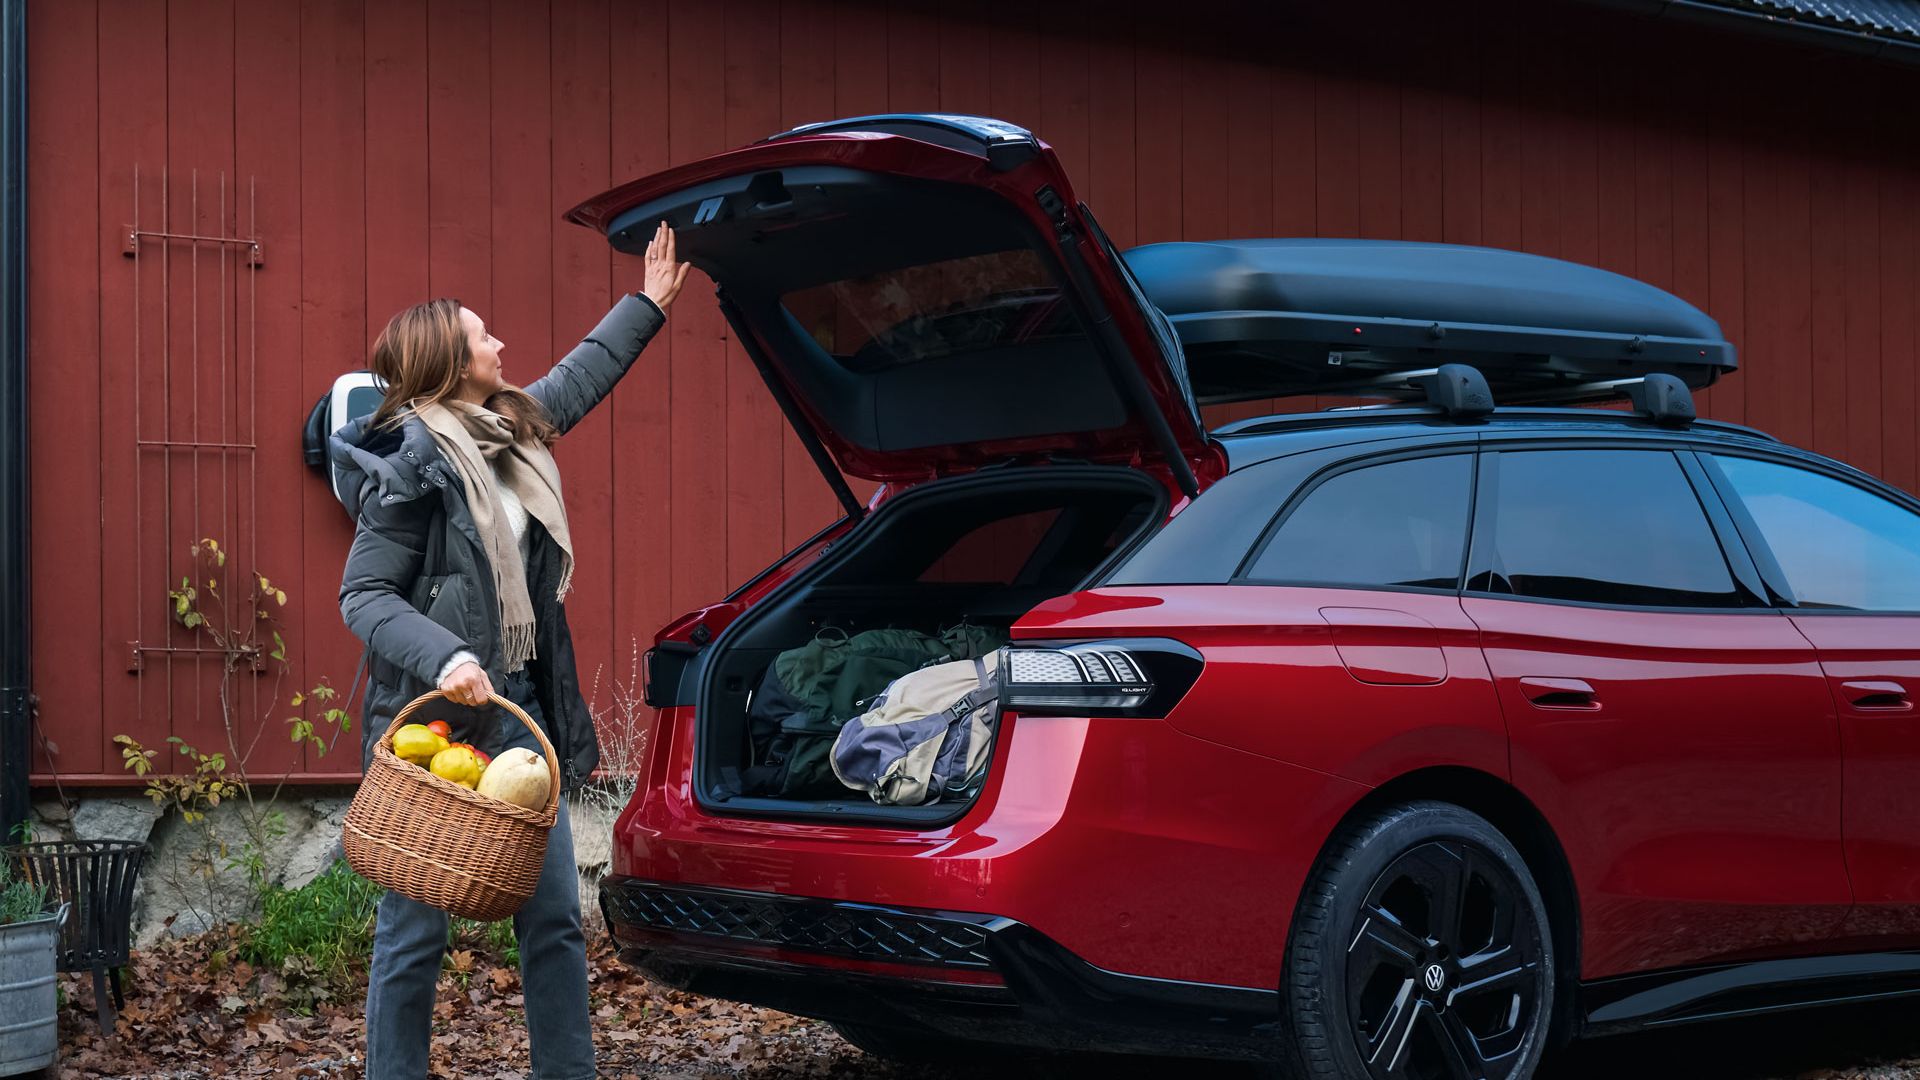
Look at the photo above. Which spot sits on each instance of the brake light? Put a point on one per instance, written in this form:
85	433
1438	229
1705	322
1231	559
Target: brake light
1123	677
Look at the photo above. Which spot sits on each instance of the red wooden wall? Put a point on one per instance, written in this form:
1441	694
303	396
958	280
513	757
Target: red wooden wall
401	149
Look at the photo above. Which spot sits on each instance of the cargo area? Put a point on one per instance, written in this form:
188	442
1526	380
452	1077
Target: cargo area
952	563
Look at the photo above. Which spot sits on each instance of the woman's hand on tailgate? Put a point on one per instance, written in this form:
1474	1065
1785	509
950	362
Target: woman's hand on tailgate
665	272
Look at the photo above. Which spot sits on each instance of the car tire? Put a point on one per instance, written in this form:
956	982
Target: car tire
912	1047
1420	947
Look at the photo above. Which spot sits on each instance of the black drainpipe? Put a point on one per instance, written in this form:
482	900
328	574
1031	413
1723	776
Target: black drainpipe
16	709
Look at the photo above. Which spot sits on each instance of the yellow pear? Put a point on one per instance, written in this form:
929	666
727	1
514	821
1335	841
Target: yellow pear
413	742
458	764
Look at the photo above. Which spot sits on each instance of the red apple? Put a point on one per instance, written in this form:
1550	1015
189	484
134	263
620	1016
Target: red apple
441	728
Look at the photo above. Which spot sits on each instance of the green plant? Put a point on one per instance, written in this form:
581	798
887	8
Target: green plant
321	932
239	629
20	899
245	633
267	832
193	793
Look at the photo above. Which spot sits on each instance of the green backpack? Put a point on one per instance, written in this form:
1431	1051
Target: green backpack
809	692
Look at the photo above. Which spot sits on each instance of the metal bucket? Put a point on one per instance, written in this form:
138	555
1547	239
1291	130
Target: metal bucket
29	1036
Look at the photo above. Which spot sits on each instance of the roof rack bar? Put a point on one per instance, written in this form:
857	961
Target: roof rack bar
1406	413
1658	396
1459	390
1663	398
1398	378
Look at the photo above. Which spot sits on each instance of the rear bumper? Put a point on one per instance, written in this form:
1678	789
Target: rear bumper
961	974
1131	845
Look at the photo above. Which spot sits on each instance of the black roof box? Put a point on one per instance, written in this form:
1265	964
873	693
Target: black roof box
1270	318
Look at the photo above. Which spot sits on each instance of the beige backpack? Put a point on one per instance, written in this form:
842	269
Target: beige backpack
926	737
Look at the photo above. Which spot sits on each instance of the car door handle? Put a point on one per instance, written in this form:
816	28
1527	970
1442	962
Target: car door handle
1880	695
1548	693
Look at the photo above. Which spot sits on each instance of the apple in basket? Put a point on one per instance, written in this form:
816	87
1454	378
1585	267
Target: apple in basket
519	777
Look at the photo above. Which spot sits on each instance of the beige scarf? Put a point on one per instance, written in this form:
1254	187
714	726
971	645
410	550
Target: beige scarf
481	446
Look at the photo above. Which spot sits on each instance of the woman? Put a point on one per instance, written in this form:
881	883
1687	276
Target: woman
461	559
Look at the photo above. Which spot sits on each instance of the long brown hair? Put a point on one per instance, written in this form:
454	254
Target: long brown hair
420	356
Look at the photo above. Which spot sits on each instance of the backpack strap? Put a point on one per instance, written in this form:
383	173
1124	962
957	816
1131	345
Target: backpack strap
976	697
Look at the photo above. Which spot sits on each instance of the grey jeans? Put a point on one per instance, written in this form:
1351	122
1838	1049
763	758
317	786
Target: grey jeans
409	939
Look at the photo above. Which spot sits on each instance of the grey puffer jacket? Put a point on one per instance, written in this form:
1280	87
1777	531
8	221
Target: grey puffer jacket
418	588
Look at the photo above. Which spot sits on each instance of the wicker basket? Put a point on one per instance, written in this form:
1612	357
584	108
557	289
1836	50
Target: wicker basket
439	843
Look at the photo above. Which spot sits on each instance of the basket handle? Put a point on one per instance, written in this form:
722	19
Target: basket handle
553	766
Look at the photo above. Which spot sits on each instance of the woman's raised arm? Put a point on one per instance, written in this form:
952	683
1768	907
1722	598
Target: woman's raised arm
585	376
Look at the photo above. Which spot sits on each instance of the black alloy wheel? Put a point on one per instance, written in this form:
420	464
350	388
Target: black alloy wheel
1421	952
1440	970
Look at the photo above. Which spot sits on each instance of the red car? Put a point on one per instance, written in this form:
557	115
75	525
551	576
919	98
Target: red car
1409	738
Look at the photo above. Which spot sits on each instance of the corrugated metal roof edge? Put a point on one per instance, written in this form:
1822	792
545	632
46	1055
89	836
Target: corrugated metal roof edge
1889	43
1896	18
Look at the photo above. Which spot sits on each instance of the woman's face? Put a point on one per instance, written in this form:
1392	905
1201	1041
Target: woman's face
483	376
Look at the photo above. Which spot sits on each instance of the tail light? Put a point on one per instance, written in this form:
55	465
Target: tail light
1143	677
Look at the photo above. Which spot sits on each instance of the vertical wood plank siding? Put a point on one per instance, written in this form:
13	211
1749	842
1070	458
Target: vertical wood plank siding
403	149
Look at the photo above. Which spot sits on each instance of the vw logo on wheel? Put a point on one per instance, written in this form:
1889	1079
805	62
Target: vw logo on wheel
1435	978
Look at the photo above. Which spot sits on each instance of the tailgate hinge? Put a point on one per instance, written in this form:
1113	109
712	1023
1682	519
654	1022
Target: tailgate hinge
1055	208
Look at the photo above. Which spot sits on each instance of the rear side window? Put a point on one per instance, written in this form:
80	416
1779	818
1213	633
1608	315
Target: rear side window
1839	546
1603	527
1401	524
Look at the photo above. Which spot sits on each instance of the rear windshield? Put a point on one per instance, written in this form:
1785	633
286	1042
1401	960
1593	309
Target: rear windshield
932	310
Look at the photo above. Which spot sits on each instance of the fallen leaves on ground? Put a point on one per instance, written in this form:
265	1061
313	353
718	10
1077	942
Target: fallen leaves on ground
191	1014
